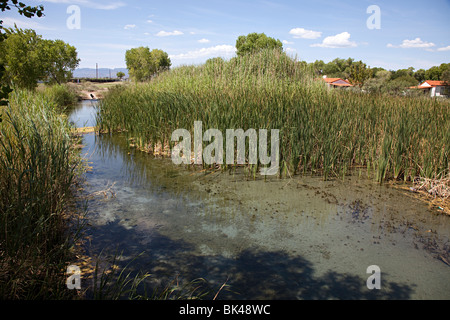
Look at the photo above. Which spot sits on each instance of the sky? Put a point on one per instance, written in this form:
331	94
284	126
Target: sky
389	34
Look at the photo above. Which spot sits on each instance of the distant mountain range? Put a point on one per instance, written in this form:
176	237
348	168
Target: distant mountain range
102	72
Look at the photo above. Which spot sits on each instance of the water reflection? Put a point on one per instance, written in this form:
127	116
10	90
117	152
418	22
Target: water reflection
83	114
298	239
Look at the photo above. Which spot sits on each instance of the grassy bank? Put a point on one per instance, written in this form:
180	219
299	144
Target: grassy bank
37	170
62	96
325	132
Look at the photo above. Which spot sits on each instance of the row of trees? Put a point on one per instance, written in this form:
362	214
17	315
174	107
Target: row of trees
345	68
357	72
143	64
51	61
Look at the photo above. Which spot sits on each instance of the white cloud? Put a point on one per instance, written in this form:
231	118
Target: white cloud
129	26
166	33
203	40
91	4
447	48
149	21
287	42
416	43
216	51
26	24
300	33
341	40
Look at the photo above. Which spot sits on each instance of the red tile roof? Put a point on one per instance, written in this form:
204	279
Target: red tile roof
333	81
432	83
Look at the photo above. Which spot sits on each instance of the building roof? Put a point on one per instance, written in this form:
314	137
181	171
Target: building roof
432	83
338	82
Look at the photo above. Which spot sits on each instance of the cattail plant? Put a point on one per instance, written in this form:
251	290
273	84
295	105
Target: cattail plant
37	170
322	131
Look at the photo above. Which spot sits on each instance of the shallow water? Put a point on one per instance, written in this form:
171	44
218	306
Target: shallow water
300	238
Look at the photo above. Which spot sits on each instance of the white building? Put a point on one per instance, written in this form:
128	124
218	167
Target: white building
435	88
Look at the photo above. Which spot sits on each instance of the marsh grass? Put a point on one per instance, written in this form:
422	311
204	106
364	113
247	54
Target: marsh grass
114	282
323	132
62	96
37	170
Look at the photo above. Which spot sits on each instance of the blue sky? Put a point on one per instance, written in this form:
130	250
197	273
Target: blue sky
411	33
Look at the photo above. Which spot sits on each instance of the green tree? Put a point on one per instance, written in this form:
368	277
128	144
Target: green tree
46	60
318	67
120	75
359	73
405	81
375	71
254	42
399	85
378	83
139	63
419	75
338	68
434	73
143	63
402	73
161	60
20	54
59	59
442	69
26	11
446	76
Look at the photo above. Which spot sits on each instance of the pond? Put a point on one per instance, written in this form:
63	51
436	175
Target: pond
297	238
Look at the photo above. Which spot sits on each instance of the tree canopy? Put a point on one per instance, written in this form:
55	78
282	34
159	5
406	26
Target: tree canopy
256	41
142	63
59	60
120	75
46	60
359	73
26	11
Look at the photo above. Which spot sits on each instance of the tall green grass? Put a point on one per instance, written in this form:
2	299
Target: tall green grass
322	131
61	95
37	171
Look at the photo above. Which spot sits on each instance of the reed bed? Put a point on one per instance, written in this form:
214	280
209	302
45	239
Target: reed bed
322	131
62	96
37	171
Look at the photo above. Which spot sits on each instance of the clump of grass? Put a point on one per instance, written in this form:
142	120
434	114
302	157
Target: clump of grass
322	131
61	95
112	282
37	171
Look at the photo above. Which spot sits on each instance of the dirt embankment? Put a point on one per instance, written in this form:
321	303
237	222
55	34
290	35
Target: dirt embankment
92	94
91	90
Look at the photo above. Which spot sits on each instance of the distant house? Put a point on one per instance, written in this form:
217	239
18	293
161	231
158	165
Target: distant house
336	82
435	88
